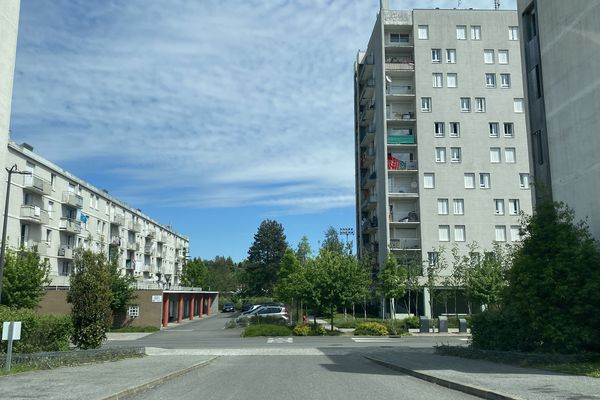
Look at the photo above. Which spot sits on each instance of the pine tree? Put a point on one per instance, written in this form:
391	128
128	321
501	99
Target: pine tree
264	258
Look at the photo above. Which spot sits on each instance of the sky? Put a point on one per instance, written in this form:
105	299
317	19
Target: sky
209	115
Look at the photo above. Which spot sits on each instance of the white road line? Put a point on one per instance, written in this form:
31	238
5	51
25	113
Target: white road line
375	339
280	340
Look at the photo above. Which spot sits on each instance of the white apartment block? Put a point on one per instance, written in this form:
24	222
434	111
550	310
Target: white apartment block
57	213
441	143
560	43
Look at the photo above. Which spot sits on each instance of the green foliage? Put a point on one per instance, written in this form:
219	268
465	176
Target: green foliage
371	329
268	320
291	279
303	251
121	286
392	280
411	322
222	274
266	330
38	332
141	329
264	258
91	297
25	278
301	330
194	273
332	242
486	281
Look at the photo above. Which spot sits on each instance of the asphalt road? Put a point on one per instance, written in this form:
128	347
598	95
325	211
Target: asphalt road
344	377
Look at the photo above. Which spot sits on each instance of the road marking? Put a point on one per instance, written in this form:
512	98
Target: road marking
280	340
375	339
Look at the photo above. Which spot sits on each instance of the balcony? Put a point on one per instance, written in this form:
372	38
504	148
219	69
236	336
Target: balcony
134	226
151	234
367	134
161	254
399	63
400	90
66	252
369	225
34	214
73	200
69	225
400	139
35	184
161	237
367	91
40	247
133	246
404	219
146	268
405	244
395	164
404	191
400	116
369	203
115	241
117	219
367	66
148	249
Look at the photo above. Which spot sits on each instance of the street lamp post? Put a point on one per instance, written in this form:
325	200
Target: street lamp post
13	170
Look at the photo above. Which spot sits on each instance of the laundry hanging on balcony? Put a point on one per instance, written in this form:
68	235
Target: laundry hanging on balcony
82	217
393	163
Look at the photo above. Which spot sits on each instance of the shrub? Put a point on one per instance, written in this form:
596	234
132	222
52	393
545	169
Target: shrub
133	329
266	330
411	322
38	332
498	330
301	330
256	320
317	330
371	329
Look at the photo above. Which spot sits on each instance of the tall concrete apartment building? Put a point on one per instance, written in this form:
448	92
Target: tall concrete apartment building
440	134
560	49
55	212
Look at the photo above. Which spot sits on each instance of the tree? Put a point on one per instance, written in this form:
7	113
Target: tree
413	270
222	274
554	282
264	257
25	278
303	251
332	241
91	297
194	273
432	272
392	283
122	287
485	281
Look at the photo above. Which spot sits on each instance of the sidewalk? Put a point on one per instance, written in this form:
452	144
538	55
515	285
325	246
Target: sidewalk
486	379
109	380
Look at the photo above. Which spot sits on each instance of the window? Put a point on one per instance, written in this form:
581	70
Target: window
50	209
459	233
442	206
48	236
98	226
530	25
429	181
451	80
499	206
518	105
438	128
454	129
509	129
461	32
444	233
514	208
513	33
436	55
500	233
399	38
524	181
465	104
437	80
426	104
510	155
133	311
423	32
469	180
451	56
484	181
490	80
52	180
515	233
432	258
440	154
65	270
459	206
475	32
488	56
493	129
502	56
504	81
495	155
455	154
479	104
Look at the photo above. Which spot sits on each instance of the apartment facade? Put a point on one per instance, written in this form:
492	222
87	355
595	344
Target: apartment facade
441	145
560	52
57	213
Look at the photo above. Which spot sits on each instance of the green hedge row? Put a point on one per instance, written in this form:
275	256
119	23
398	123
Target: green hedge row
38	332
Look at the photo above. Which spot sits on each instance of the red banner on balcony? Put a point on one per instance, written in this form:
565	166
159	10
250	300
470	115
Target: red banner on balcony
393	163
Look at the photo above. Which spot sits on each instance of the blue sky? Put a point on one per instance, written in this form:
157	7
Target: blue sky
209	115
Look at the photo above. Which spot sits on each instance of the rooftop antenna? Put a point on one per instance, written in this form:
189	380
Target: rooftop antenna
496	4
459	2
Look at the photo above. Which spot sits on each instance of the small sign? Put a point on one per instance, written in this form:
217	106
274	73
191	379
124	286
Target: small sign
156	298
16	330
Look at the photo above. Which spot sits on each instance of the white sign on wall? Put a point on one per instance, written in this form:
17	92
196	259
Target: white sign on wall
156	298
16	330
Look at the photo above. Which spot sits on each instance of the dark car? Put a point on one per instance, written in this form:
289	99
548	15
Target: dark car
228	307
246	307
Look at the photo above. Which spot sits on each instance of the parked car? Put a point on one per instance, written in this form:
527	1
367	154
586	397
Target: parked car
246	307
267	311
228	307
252	308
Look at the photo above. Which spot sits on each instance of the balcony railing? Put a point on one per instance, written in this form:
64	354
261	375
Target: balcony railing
402	166
161	237
151	234
40	247
117	219
400	139
148	249
36	184
72	199
133	246
134	226
34	214
161	254
399	63
115	241
405	244
70	225
400	115
402	189
66	252
399	90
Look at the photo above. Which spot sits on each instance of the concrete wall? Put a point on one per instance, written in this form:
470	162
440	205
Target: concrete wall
568	36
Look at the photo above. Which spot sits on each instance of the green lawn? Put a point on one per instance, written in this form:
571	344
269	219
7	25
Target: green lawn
576	368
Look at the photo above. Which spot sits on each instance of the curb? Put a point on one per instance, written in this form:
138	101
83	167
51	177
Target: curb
472	390
157	381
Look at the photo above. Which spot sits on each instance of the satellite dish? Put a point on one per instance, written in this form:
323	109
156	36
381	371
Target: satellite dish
388	79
